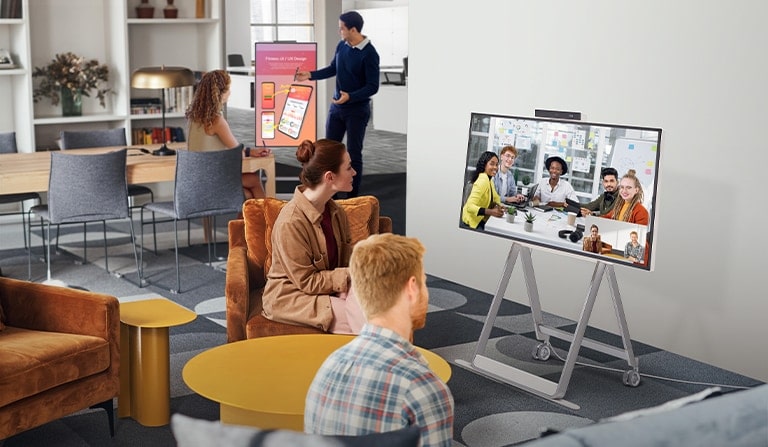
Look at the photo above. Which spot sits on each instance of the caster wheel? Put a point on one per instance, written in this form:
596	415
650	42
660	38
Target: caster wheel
542	352
631	378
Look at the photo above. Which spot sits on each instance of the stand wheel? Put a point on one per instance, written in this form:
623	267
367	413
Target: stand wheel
542	352
631	378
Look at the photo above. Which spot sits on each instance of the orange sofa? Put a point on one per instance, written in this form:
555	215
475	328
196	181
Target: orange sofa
59	353
250	257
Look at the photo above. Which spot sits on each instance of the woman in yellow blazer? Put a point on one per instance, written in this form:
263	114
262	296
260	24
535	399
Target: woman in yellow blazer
483	200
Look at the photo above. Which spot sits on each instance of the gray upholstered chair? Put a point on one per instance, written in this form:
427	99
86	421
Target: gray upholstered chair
72	139
207	184
86	188
8	146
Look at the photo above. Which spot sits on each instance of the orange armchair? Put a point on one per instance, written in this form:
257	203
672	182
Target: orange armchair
250	257
59	353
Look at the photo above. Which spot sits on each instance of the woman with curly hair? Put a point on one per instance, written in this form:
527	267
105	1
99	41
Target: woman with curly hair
483	201
628	207
209	131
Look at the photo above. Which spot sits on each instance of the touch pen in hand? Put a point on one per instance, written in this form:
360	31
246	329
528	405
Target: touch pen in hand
296	73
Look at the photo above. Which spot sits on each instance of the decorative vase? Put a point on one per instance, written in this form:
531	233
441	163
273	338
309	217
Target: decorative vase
145	10
200	9
71	104
528	226
170	11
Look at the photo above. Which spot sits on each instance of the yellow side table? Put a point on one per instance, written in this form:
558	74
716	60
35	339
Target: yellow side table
145	384
263	382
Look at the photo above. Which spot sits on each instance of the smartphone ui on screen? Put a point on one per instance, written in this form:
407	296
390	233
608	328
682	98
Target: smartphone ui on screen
295	108
267	95
267	125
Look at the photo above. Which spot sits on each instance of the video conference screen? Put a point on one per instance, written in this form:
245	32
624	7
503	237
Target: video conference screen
584	188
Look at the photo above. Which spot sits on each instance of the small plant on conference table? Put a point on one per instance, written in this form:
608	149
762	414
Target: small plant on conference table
511	210
529	217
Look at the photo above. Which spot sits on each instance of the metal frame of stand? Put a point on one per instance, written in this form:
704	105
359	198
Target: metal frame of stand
554	391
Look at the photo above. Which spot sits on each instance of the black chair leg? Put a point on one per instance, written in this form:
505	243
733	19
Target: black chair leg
110	409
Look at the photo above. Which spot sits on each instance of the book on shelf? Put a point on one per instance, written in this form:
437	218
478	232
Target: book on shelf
154	135
177	100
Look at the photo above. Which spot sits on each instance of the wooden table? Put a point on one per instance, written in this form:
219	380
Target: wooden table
263	382
29	172
145	389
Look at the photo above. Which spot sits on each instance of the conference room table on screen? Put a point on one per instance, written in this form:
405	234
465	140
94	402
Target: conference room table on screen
546	228
29	172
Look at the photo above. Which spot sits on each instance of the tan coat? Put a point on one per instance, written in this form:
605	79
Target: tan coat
300	282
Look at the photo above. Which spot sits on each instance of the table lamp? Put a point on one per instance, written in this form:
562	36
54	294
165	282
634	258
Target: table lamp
162	78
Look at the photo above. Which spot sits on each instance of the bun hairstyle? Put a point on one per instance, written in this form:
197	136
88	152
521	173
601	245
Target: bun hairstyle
618	204
318	158
631	174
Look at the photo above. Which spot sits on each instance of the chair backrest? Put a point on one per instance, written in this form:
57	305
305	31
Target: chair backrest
88	187
8	143
208	183
235	60
71	139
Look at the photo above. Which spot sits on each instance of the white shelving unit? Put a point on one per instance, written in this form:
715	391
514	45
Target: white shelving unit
109	32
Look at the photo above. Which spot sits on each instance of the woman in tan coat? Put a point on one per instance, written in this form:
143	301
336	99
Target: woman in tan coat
308	283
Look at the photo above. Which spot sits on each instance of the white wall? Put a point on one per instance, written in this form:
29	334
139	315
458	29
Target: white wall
238	29
697	72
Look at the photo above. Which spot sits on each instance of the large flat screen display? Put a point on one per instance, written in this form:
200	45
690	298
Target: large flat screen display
589	188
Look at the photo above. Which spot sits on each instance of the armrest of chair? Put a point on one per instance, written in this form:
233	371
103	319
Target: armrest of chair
385	224
59	309
236	291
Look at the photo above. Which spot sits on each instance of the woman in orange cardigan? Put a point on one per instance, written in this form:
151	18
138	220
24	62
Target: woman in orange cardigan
628	207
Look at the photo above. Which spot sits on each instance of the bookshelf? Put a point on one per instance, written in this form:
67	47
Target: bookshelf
110	32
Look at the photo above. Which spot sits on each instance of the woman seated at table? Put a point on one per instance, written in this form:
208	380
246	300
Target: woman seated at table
628	206
308	283
483	200
554	190
209	131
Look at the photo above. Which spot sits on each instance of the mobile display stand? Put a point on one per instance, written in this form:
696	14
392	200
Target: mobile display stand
532	383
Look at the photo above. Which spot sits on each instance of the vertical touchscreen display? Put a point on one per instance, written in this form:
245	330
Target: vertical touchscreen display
295	108
267	125
267	95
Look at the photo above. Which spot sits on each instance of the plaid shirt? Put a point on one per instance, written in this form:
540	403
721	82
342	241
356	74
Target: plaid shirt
376	383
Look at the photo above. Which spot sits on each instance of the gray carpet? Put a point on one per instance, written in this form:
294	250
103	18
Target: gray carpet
487	413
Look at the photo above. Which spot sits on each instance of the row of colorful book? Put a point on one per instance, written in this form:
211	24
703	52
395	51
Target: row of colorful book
154	135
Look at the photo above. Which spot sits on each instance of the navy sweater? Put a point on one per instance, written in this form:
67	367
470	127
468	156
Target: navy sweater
356	71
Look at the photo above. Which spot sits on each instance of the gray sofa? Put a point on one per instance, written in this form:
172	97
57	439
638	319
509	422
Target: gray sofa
735	419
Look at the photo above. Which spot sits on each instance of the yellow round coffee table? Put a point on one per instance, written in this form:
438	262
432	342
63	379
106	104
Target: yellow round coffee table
262	382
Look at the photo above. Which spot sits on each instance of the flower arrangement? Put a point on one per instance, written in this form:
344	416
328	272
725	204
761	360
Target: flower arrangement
72	72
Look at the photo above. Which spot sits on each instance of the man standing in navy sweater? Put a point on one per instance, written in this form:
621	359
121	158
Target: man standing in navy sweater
356	67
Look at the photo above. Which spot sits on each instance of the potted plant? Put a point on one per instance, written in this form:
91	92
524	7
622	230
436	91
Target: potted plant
529	218
526	180
511	212
69	77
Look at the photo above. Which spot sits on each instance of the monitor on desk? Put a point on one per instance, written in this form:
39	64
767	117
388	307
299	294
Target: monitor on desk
586	149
